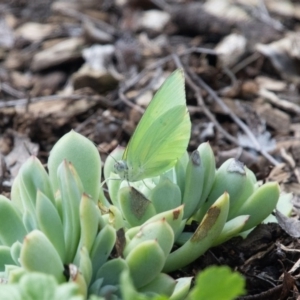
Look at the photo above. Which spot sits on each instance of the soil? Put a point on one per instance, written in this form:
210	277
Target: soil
93	66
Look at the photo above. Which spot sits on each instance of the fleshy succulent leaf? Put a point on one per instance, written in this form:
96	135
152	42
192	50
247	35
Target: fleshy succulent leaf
102	247
231	178
145	262
231	228
12	228
5	257
163	284
182	288
14	273
39	255
166	195
193	184
50	223
204	236
85	265
208	168
15	251
88	222
135	206
173	217
160	231
70	196
260	204
111	270
33	177
83	154
180	168
38	286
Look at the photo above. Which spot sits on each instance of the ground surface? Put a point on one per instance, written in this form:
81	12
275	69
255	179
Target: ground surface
93	66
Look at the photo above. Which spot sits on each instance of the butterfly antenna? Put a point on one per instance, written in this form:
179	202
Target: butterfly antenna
108	154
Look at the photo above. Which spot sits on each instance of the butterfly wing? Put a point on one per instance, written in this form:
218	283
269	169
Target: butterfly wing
170	94
163	143
163	133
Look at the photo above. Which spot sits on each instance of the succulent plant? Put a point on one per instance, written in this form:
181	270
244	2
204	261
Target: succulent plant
86	243
61	224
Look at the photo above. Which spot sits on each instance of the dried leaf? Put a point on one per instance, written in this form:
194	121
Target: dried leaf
289	225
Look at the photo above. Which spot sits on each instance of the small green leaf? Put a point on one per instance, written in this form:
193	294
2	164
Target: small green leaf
216	283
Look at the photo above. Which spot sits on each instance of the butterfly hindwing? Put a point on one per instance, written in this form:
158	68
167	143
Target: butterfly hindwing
163	143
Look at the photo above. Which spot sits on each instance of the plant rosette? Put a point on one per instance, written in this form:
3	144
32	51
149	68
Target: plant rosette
126	239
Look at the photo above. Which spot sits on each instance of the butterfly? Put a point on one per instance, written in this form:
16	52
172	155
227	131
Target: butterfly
161	136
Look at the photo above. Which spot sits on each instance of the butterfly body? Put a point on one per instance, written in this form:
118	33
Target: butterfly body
161	136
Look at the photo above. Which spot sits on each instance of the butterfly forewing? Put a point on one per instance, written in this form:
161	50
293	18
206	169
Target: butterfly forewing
170	94
162	134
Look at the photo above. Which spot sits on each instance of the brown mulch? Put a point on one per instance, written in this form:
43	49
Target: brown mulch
93	66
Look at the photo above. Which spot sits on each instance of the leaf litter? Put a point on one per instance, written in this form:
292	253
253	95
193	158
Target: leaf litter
93	66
